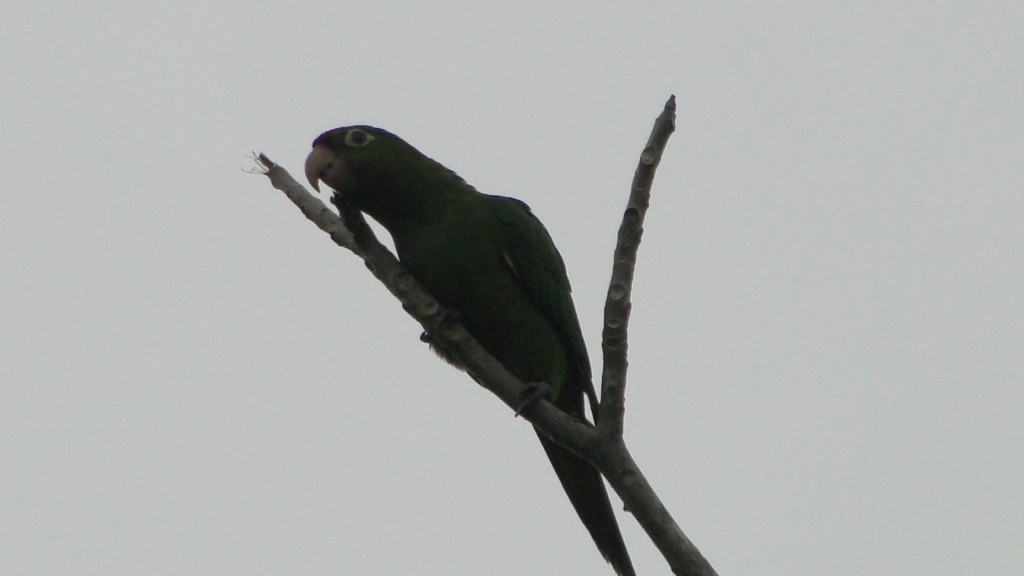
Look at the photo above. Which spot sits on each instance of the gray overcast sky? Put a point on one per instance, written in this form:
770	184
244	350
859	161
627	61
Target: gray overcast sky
827	344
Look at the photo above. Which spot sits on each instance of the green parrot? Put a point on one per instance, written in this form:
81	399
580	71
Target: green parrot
490	259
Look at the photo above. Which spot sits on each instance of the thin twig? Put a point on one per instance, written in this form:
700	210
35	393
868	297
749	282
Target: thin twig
617	304
614	460
315	210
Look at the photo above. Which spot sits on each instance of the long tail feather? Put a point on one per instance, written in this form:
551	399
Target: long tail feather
583	483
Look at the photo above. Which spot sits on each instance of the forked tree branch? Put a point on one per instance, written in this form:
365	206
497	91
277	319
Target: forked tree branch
620	469
603	445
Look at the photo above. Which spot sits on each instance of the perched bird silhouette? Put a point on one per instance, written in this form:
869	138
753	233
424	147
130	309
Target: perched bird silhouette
490	259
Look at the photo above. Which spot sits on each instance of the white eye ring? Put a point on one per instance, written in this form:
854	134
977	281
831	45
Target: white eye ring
356	138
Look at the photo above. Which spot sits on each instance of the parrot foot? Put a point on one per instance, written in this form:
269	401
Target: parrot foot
533	392
451	316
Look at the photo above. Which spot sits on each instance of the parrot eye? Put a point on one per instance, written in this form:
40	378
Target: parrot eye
357	138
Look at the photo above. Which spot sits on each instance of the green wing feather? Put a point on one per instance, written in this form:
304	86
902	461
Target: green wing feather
536	264
534	261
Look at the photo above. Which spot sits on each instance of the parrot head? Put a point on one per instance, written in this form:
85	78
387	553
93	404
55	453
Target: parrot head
341	157
381	173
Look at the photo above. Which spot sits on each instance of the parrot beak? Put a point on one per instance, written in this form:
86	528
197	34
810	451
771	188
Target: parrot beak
318	161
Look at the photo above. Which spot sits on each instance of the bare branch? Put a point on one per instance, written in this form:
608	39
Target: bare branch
311	206
617	465
617	304
614	459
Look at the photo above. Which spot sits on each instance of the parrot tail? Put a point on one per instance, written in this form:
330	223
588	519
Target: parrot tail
583	483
